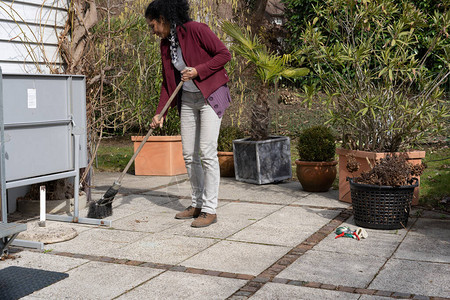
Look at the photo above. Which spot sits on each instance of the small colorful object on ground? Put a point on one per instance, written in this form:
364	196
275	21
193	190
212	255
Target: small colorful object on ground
345	231
362	233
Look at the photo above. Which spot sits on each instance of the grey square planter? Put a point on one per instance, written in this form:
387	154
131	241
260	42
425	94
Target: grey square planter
262	162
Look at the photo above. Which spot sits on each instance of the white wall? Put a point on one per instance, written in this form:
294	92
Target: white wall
29	34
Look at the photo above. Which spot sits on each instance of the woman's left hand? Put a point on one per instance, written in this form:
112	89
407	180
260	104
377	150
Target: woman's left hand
188	74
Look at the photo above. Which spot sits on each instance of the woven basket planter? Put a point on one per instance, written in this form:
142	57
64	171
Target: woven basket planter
381	207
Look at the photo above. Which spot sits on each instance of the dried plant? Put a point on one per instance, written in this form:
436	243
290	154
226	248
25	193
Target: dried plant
392	170
352	164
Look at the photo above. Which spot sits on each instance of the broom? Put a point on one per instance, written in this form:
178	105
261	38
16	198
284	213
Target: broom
103	208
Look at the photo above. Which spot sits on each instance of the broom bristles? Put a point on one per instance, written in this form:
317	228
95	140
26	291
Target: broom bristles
103	208
97	211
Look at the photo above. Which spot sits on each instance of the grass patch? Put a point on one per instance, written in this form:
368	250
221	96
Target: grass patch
435	181
113	157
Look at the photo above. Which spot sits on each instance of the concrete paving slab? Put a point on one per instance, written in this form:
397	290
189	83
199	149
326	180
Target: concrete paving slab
97	280
281	193
274	291
334	268
431	227
152	218
176	188
174	285
124	206
131	183
425	247
164	248
288	226
327	199
377	243
415	277
42	261
291	215
350	222
231	217
273	234
141	202
98	241
148	221
237	257
371	297
117	214
428	240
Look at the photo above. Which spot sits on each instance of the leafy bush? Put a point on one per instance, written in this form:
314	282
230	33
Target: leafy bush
297	14
226	137
316	144
376	85
131	62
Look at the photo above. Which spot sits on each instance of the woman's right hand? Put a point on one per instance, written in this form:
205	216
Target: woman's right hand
156	123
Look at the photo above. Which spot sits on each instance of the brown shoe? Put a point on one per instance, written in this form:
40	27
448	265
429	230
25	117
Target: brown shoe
204	220
189	213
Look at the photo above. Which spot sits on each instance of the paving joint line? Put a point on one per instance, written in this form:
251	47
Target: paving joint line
355	290
392	254
270	273
286	260
254	282
149	189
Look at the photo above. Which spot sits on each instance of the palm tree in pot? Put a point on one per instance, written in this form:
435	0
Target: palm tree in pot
262	158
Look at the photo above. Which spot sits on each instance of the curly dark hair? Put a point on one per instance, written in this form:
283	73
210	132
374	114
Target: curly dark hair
174	11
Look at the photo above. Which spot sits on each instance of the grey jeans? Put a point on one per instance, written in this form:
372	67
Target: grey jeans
200	127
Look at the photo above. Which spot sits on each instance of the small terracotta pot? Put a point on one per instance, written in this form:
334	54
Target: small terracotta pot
316	176
226	162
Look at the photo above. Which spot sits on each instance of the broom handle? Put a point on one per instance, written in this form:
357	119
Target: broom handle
161	114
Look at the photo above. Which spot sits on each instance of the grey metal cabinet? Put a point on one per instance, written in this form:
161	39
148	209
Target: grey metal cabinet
41	113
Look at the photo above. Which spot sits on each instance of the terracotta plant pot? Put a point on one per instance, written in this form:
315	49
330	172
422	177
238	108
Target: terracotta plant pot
316	176
160	156
226	162
413	157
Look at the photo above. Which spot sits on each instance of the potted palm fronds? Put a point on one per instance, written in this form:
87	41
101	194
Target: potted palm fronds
261	158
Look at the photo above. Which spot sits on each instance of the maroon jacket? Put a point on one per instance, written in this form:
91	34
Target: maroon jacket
202	50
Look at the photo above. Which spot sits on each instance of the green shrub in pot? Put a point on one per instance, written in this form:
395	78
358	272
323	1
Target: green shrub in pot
316	167
316	144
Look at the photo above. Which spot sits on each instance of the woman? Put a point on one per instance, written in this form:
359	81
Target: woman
192	53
